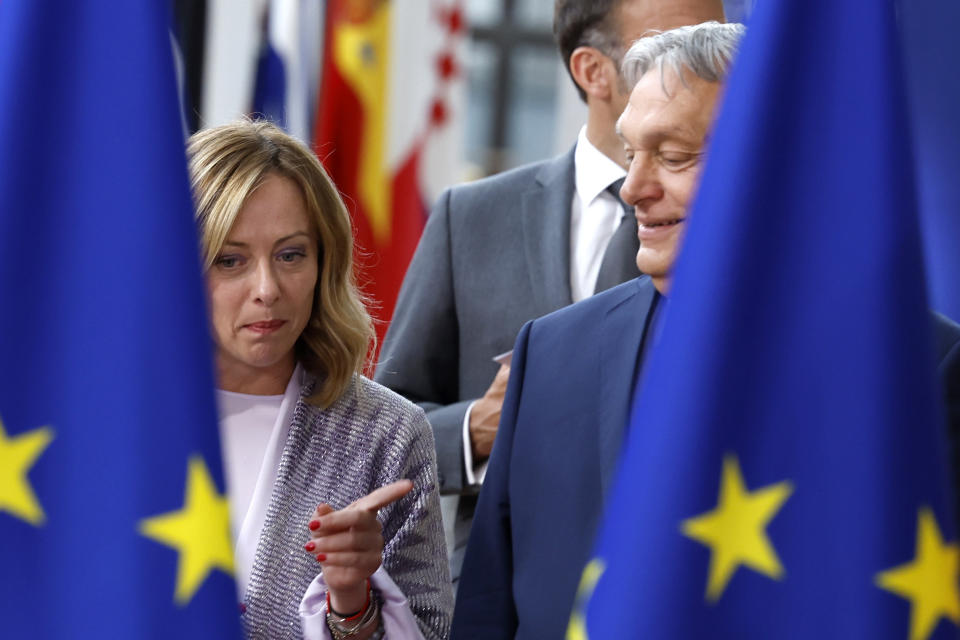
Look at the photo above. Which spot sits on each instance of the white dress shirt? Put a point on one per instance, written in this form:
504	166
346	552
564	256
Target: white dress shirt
594	214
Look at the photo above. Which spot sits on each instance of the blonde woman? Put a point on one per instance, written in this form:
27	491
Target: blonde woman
300	427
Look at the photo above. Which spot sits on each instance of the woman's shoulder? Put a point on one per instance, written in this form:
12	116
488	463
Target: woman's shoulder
377	406
393	431
377	395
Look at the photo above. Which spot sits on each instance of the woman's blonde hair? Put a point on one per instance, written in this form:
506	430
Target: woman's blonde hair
227	164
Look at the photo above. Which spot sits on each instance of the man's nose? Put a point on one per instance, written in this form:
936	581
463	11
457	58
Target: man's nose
266	288
641	186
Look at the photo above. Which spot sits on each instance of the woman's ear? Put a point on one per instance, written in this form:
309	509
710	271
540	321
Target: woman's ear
593	72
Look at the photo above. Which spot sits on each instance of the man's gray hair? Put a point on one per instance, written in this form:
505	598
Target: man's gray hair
706	49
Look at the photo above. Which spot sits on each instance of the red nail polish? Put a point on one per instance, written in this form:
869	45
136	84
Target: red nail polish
309	546
314	525
321	557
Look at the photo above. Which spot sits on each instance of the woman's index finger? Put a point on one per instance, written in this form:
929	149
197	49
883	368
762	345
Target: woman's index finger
379	498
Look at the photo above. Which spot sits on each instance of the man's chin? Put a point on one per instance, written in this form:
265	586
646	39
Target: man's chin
654	263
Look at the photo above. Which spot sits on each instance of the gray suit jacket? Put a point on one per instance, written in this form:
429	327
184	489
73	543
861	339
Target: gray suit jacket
495	253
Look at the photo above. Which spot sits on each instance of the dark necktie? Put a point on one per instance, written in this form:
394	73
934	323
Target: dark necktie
619	262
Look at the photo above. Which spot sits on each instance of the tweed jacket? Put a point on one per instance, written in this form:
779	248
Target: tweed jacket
368	438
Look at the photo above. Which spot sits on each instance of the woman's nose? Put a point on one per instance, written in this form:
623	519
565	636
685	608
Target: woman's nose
266	288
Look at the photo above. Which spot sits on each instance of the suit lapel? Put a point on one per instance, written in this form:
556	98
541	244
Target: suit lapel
545	212
621	336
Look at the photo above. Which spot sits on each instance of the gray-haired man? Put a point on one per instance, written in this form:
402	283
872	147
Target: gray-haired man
573	371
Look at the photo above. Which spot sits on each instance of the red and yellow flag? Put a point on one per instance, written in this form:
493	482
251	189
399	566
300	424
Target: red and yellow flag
385	129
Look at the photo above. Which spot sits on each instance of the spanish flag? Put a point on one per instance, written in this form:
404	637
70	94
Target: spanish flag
390	96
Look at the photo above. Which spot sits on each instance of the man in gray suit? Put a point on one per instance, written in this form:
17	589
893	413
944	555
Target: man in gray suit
506	249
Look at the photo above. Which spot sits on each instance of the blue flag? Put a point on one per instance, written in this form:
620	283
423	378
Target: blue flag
932	50
270	85
785	475
113	522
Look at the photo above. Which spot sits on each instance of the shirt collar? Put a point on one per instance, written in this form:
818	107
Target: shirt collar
593	171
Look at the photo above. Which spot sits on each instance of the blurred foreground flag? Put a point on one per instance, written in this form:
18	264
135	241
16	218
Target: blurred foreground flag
785	472
932	49
389	126
112	518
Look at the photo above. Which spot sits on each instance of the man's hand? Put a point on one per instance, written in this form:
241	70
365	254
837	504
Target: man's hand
349	544
485	415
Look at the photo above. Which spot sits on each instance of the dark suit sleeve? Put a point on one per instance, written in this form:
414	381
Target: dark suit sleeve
948	367
485	608
420	356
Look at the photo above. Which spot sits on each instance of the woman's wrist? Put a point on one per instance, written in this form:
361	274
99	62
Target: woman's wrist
350	601
355	625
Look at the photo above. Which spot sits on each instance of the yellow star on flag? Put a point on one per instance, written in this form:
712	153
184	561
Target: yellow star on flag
736	530
930	581
577	628
17	455
200	532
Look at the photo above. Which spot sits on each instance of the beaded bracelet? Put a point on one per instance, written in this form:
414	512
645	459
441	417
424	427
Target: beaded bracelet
353	616
360	620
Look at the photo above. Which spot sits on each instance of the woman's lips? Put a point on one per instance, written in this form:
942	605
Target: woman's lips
267	326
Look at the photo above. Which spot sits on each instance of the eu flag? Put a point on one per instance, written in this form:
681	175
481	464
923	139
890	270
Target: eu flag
932	49
785	470
113	522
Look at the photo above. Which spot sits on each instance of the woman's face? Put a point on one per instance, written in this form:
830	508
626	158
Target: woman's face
261	286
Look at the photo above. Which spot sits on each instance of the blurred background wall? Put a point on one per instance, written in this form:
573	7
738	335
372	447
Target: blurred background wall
399	98
520	105
403	98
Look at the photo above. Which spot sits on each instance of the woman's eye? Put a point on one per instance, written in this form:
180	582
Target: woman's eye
227	262
291	256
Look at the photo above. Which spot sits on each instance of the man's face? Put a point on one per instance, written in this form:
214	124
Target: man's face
637	17
664	130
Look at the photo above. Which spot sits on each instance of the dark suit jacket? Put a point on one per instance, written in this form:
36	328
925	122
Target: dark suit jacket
560	435
947	336
560	432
